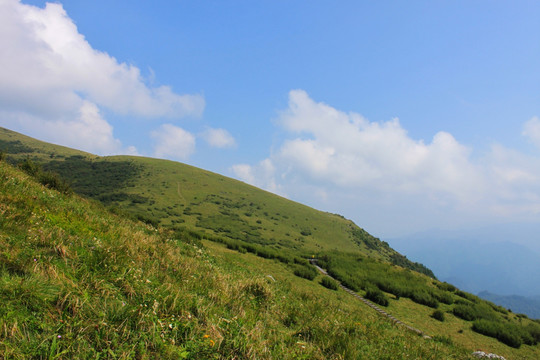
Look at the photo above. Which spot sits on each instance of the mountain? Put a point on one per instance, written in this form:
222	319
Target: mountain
519	304
157	259
168	193
477	260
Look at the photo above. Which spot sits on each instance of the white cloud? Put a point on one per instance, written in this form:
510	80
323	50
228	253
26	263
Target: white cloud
531	130
86	130
244	172
219	138
371	167
51	77
347	150
173	142
262	175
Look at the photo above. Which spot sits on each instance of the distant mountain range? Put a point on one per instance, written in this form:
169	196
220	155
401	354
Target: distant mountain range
518	304
483	261
477	260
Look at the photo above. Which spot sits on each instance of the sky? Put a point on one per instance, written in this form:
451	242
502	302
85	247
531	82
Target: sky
403	116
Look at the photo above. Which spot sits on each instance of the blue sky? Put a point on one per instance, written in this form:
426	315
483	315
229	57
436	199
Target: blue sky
403	116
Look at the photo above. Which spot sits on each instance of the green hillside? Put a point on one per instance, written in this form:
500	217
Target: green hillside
216	269
168	193
79	282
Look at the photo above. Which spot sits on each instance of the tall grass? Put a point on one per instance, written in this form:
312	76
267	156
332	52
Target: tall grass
78	282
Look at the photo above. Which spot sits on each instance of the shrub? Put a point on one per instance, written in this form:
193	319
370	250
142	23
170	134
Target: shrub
306	272
47	178
305	232
446	286
377	296
534	330
53	181
329	283
467	296
444	297
464	312
474	312
438	315
29	167
423	298
505	333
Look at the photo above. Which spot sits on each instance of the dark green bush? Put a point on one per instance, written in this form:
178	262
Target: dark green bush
467	296
53	181
148	219
474	312
305	232
377	296
444	297
498	308
329	283
424	298
446	286
306	272
534	330
50	179
438	315
29	167
505	333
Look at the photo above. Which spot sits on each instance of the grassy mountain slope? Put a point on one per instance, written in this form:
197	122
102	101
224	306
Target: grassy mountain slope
174	194
196	205
79	282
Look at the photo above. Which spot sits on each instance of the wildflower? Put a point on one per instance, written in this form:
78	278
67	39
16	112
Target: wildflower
206	336
59	336
212	342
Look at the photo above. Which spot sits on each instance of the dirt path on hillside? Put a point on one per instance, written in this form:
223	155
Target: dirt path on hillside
370	304
180	193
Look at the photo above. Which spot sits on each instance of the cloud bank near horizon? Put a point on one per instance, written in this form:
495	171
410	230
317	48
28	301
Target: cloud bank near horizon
53	83
330	157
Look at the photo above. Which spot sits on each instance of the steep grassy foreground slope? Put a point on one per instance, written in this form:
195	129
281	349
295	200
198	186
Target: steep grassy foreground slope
79	282
254	245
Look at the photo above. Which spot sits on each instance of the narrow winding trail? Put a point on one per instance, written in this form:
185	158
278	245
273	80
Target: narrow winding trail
370	304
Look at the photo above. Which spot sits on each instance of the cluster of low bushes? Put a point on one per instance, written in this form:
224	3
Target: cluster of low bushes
377	296
329	283
48	178
305	271
360	273
263	251
489	323
471	312
510	334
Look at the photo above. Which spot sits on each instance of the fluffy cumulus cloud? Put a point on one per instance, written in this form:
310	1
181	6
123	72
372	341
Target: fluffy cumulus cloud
51	78
173	142
218	138
334	156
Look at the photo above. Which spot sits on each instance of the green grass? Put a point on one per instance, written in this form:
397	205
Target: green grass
79	282
65	260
